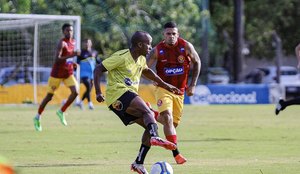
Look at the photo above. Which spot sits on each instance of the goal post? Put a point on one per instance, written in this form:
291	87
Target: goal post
27	48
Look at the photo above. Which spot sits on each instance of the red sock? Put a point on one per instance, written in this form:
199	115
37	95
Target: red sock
156	114
66	105
172	138
40	111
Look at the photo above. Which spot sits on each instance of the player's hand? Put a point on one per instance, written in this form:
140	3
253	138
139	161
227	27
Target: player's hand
100	98
190	90
77	53
173	89
298	66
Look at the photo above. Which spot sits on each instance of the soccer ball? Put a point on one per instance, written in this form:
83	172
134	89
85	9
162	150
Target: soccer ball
161	167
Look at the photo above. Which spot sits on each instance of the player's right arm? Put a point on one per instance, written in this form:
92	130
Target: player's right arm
98	72
59	51
297	50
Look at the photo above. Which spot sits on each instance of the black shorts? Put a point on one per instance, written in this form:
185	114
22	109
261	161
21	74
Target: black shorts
119	107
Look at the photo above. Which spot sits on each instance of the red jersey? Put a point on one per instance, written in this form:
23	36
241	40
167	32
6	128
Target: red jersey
173	64
62	68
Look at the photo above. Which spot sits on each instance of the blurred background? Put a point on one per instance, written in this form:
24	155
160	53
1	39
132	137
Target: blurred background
239	41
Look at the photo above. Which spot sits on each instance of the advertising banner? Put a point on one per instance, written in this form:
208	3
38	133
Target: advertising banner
229	94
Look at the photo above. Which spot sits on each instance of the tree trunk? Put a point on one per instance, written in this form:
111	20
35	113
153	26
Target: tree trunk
238	39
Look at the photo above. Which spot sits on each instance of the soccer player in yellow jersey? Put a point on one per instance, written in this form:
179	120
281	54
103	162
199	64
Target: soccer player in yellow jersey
125	68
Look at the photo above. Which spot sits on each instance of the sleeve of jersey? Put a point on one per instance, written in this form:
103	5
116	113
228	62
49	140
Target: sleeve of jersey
113	62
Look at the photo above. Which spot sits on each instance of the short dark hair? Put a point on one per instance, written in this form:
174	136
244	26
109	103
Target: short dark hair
66	25
170	25
138	36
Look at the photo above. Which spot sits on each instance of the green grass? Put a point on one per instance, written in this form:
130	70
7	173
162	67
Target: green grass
225	139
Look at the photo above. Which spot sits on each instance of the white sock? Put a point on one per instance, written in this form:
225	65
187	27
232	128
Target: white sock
38	116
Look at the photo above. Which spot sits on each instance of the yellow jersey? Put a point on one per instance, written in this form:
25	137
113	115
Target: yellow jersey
123	74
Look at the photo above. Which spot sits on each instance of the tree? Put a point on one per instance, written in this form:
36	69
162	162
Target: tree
111	22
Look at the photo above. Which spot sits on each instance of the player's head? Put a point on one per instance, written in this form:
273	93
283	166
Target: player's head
67	30
170	33
87	44
141	41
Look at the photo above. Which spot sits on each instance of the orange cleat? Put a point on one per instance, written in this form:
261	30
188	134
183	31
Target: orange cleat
180	159
156	141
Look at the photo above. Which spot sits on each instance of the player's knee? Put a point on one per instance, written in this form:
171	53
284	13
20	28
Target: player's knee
74	93
49	97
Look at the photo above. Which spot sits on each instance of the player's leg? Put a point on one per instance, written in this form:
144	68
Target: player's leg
169	129
130	108
281	105
138	164
71	83
177	113
89	89
156	113
168	103
85	82
53	84
37	118
44	103
119	107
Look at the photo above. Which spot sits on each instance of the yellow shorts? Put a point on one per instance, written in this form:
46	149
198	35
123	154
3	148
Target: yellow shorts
166	100
53	83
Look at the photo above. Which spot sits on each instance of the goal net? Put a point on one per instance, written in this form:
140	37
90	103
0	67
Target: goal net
27	49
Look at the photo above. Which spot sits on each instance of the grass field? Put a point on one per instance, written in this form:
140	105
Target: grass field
224	139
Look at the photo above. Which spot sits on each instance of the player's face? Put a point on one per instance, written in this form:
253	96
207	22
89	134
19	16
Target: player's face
87	44
68	32
171	35
146	45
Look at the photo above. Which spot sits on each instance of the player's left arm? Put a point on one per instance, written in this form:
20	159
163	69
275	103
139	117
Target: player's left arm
195	59
59	50
150	74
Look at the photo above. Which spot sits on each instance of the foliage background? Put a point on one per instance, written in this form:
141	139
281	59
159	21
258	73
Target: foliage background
110	23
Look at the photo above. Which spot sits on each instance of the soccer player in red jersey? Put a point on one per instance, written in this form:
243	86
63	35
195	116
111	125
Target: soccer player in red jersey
62	71
173	57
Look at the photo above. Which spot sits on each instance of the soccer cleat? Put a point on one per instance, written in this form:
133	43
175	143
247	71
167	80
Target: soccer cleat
37	124
80	105
61	117
139	168
156	113
91	106
156	141
279	107
180	159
